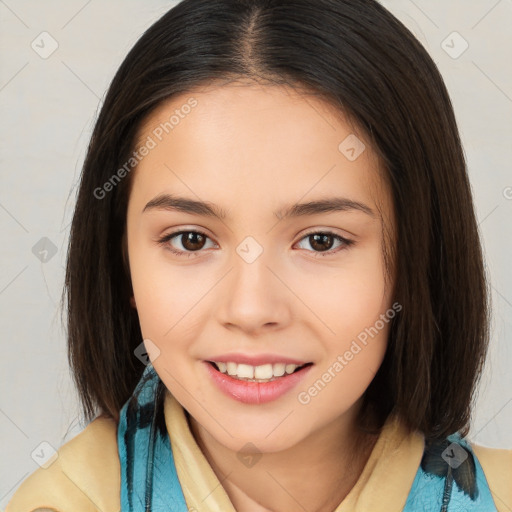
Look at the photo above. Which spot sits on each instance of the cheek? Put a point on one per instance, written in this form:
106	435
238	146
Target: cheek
345	373
160	292
348	297
173	303
164	301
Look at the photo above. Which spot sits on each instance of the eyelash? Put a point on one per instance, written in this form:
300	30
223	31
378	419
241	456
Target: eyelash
166	238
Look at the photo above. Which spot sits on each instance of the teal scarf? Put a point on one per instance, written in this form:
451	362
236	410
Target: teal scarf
449	479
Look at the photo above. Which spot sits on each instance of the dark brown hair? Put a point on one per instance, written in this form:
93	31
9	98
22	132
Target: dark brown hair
365	63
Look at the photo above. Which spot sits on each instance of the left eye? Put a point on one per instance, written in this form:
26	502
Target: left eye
193	241
323	240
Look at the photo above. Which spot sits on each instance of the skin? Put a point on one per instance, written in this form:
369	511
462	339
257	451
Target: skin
254	149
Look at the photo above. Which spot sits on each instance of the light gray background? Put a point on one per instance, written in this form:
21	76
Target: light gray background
48	107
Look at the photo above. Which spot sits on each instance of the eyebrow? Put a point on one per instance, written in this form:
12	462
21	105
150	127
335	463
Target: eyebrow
206	209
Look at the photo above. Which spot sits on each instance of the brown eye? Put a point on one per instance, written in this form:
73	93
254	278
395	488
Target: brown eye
188	242
192	240
322	242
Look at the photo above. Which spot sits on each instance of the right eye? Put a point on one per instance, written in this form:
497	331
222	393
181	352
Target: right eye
191	241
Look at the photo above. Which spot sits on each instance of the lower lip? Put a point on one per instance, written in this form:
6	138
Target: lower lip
255	392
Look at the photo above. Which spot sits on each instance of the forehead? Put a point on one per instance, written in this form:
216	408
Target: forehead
247	106
246	142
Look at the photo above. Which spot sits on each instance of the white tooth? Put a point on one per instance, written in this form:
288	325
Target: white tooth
245	371
278	369
231	367
291	367
263	372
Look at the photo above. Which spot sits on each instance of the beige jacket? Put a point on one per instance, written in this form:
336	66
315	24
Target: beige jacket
85	477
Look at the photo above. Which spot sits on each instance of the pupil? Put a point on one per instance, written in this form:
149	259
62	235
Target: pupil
321	237
191	241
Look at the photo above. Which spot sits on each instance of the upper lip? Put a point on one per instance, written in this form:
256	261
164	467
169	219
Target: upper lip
256	360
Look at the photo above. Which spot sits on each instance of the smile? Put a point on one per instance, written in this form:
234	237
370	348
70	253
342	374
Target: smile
255	384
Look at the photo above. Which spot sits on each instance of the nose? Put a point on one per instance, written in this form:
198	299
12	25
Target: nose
254	297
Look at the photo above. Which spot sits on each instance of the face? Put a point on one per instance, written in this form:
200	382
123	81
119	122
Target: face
252	277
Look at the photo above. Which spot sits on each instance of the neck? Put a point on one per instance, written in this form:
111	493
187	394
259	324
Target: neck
330	461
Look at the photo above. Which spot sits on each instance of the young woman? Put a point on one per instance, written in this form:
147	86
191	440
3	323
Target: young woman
275	286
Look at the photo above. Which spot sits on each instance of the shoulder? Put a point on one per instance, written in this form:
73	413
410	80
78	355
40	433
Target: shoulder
497	467
85	475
